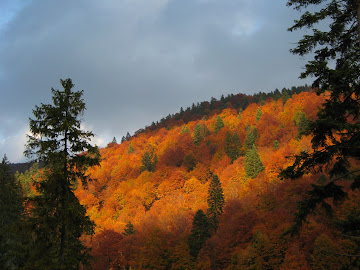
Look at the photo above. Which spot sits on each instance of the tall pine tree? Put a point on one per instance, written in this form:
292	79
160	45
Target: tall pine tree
253	164
200	232
232	146
219	124
58	220
251	136
216	201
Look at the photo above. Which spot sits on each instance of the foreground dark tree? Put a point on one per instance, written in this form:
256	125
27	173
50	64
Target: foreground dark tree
336	68
57	219
11	211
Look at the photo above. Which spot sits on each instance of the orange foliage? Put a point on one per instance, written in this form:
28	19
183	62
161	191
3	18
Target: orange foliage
161	204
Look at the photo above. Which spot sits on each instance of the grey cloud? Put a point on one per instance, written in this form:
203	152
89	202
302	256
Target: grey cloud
140	60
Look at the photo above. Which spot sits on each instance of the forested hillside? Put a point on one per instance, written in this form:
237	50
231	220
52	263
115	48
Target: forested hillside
207	194
148	190
254	182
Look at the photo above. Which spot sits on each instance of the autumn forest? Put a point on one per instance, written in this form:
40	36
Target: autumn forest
149	190
263	181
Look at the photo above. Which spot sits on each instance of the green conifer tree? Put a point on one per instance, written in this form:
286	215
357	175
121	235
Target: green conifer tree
200	232
205	130
285	95
114	141
258	114
184	129
240	113
11	211
198	134
149	161
189	161
253	164
216	201
251	136
232	146
302	123
129	229
276	145
130	149
57	218
219	124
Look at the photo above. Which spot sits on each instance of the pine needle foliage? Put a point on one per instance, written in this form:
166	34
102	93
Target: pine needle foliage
336	69
57	219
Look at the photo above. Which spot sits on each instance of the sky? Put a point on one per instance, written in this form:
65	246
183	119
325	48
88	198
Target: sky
138	60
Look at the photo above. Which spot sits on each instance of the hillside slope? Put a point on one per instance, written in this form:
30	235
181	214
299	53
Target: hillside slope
148	188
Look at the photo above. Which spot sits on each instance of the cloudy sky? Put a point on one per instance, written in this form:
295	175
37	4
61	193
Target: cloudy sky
138	60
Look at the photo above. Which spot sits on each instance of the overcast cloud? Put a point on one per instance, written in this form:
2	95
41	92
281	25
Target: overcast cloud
138	60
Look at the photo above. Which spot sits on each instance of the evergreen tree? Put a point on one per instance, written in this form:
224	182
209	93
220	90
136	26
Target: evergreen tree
11	211
57	219
276	145
184	129
277	94
216	201
285	95
200	232
240	112
205	130
251	136
219	124
302	123
253	164
114	141
149	161
130	149
336	68
200	132
258	114
129	229
189	161
232	146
